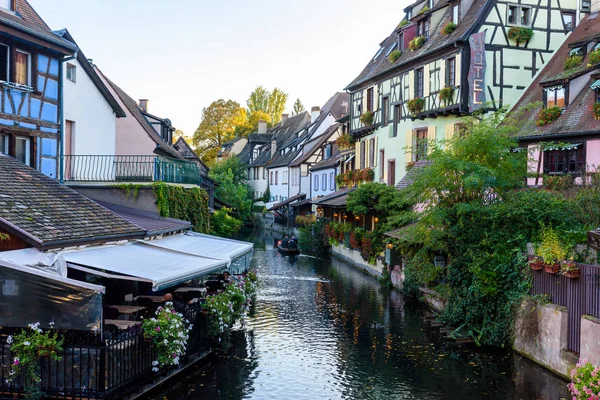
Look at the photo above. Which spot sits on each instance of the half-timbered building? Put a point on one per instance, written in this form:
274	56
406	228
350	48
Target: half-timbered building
447	59
31	63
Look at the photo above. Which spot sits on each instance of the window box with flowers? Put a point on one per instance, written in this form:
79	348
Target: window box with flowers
345	141
519	34
26	348
446	95
416	43
448	28
569	269
367	118
594	58
416	105
548	115
394	56
573	62
536	263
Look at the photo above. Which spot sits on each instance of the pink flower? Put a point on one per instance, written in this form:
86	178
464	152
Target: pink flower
158	329
16	362
174	355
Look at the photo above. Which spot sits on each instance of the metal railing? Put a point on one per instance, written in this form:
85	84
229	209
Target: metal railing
580	296
109	168
92	369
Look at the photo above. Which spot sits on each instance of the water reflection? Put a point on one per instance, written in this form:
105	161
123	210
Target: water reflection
326	331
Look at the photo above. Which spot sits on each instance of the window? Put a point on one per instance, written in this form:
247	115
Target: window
362	154
4	66
276	177
401	41
316	183
397	118
430	4
451	71
392	48
271	178
371	153
577	51
381	164
264	172
420	148
6	4
564	161
4	144
384	111
568	21
423	28
370	99
378	53
331	181
555	96
391	172
586	5
455	13
324	181
419	83
409	14
22	68
284	178
71	73
519	15
22	150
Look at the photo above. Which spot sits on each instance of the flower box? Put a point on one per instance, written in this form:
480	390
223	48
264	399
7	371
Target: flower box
536	264
573	274
552	268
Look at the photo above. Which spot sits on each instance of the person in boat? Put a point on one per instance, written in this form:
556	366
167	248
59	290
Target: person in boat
293	242
285	242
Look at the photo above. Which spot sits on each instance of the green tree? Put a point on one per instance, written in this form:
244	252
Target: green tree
298	107
269	102
251	124
223	224
232	188
219	121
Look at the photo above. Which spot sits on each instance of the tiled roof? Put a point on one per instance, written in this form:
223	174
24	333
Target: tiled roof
259	138
48	215
331	196
299	196
184	148
152	223
578	118
328	163
409	178
310	147
135	110
27	20
436	42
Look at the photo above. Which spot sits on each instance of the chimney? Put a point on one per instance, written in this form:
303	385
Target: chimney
314	114
284	117
273	147
262	126
144	104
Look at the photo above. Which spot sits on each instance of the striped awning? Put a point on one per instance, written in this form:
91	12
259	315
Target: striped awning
595	85
574	51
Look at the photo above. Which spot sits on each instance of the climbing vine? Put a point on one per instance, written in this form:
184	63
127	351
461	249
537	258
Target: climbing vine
185	204
130	189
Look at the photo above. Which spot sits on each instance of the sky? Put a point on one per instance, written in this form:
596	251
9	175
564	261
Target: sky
184	54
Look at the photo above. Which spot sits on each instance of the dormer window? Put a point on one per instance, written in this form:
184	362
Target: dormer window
378	53
423	28
586	6
430	4
555	96
577	51
7	4
409	14
401	41
519	15
456	13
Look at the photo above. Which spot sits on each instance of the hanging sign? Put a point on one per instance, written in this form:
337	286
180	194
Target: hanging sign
477	71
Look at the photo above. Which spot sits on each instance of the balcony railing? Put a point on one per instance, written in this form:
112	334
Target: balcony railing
107	168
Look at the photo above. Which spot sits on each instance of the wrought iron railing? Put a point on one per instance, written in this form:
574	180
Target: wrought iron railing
108	168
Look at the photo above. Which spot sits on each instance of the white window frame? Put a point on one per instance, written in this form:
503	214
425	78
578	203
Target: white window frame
73	68
27	141
456	13
10	5
519	8
28	54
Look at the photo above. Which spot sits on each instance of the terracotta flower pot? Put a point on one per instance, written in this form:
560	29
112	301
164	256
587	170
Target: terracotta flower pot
552	268
573	274
536	265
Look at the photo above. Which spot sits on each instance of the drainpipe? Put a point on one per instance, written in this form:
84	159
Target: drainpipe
61	116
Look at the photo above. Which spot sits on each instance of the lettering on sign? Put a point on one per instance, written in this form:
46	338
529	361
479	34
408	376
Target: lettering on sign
477	71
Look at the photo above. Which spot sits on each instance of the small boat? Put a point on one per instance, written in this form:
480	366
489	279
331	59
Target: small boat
288	247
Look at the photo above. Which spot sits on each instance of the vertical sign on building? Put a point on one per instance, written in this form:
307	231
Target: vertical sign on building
477	71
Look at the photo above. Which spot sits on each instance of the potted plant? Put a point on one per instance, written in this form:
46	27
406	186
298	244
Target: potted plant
367	118
551	250
548	115
416	105
448	28
446	95
573	62
345	141
394	55
569	269
520	34
536	263
416	43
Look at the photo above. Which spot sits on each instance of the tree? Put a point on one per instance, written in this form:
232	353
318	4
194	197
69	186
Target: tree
251	124
298	107
219	121
232	188
269	102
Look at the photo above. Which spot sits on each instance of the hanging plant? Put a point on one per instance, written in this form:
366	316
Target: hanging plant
594	57
345	141
573	62
447	95
394	55
169	333
520	34
548	115
448	28
26	348
416	105
367	118
416	43
597	110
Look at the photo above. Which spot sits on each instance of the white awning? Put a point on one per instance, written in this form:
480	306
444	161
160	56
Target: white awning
162	267
204	246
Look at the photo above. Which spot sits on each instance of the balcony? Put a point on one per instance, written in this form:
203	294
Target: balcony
131	169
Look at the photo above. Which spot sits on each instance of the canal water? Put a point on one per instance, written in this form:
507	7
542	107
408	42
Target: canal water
323	330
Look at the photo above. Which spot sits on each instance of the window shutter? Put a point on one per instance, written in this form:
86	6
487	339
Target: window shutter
431	138
457	71
426	80
375	152
409	145
449	131
443	78
367	152
357	149
411	85
375	98
365	101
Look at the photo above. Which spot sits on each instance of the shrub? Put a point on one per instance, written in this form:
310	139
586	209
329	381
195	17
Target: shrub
424	10
394	55
305	220
520	34
367	118
585	381
558	182
223	224
314	237
594	57
447	95
548	115
573	62
416	43
448	28
415	106
551	249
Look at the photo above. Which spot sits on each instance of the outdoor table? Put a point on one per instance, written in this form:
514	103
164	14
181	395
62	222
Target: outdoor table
156	299
120	323
128	309
191	289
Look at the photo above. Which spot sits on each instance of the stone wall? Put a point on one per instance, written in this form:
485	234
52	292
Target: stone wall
590	339
355	259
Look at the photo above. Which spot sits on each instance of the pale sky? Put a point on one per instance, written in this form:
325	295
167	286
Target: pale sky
184	54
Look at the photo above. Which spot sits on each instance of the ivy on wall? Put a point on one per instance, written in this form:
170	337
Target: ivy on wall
185	204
